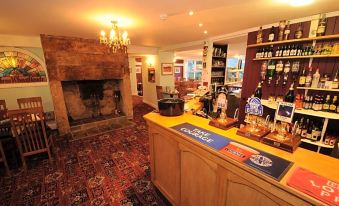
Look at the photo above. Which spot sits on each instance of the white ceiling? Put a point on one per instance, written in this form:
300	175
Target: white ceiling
85	18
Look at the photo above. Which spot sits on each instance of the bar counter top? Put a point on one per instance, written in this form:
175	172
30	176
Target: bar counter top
320	164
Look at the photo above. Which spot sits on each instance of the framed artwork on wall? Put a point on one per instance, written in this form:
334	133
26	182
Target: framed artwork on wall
177	70
138	69
166	68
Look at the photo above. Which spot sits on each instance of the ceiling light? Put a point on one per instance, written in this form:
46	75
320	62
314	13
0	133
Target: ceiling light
200	25
205	32
191	13
116	40
296	3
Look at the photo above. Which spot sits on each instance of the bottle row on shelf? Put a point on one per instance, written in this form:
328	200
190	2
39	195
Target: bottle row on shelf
317	103
218	63
311	129
316	81
285	31
217	80
217	73
218	52
297	50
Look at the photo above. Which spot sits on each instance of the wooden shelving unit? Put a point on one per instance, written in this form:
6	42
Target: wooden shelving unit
299	57
219	56
335	36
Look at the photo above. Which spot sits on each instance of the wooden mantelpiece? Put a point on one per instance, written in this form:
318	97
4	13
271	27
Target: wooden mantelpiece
74	59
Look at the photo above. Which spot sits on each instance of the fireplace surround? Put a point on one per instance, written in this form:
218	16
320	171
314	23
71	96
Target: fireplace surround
88	71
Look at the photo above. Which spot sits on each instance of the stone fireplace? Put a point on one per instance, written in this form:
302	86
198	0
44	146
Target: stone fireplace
88	83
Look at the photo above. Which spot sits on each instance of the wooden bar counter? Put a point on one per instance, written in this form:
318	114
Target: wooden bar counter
190	173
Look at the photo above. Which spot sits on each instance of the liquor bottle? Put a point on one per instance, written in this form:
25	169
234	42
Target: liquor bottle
270	52
265	52
302	78
315	80
284	53
308	79
295	70
326	105
309	130
257	55
287	31
306	102
321	25
299	50
310	102
287	68
271	35
279	67
335	82
259	36
294	50
334	104
263	71
299	32
300	126
289	97
277	52
299	101
258	91
304	128
316	132
270	71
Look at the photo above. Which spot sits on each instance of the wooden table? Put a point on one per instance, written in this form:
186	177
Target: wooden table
188	172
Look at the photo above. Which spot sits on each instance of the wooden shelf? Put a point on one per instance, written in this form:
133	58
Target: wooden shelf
309	112
335	36
317	143
217	76
318	89
299	57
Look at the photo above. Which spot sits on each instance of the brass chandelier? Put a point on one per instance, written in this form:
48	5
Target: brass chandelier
116	40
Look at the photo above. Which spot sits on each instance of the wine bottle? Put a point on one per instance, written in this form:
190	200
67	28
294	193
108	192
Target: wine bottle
270	52
270	71
289	97
308	79
326	105
271	35
287	31
299	32
287	68
295	70
315	80
309	130
277	52
258	91
279	67
263	71
335	82
302	78
259	36
299	51
304	129
300	126
334	104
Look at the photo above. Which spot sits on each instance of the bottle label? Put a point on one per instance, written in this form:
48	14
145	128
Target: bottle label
321	29
279	67
287	31
309	135
302	80
332	107
326	107
303	133
270	37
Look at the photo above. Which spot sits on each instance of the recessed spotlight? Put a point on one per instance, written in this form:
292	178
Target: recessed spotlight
296	3
200	25
205	32
191	13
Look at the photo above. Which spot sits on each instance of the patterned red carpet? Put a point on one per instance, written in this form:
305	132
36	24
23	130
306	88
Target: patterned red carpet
110	169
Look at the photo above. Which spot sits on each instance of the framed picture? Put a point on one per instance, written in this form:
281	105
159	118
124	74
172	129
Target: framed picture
177	70
285	112
138	69
166	68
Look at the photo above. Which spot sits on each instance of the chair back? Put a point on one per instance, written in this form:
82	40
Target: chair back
30	102
28	128
159	92
3	109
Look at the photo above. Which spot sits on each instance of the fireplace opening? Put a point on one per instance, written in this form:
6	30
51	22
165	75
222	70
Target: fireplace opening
91	100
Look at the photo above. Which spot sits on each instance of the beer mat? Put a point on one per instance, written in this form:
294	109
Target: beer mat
319	187
271	165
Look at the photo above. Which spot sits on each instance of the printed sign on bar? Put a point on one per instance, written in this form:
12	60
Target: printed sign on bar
271	165
315	185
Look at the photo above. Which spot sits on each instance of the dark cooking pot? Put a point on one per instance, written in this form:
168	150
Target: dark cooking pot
171	106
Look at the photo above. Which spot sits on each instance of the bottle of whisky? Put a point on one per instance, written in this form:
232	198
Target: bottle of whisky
322	25
271	35
259	36
258	91
334	104
302	78
287	68
308	79
295	70
299	32
277	52
335	82
289	97
326	105
287	31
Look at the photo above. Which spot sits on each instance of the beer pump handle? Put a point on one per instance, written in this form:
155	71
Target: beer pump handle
294	129
236	114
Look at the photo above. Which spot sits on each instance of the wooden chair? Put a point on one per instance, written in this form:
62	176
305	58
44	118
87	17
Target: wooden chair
28	128
160	95
5	133
30	102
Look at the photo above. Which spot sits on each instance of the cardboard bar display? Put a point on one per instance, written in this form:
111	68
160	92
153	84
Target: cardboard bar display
273	166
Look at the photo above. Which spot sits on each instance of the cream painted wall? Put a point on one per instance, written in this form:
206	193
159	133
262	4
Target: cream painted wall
133	77
166	57
149	91
12	94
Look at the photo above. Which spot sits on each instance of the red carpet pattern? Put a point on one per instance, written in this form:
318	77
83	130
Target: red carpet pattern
109	169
